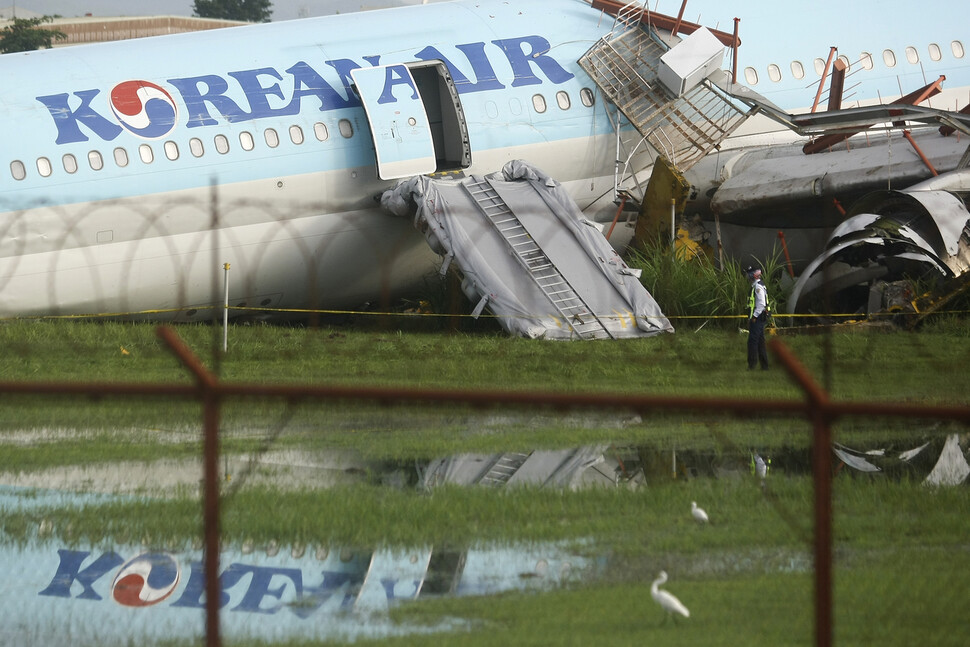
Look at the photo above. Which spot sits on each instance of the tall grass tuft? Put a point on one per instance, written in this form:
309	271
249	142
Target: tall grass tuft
693	287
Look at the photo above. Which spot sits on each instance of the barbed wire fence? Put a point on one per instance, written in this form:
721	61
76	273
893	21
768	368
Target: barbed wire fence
295	263
199	258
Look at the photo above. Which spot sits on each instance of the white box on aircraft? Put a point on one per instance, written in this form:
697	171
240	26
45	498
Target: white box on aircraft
691	61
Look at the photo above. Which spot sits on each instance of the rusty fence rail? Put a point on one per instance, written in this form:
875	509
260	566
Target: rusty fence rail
209	390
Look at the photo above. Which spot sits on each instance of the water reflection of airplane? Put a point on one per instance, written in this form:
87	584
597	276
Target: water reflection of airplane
109	202
573	468
268	594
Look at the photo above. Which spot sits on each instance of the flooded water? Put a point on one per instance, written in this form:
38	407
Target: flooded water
55	593
126	592
571	468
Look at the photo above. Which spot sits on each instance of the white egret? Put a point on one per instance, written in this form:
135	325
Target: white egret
698	513
667	601
760	467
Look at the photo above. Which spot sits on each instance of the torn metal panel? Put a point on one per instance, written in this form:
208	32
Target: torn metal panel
854	461
949	467
888	236
951	216
823	269
952	467
910	454
854	225
747	198
940	217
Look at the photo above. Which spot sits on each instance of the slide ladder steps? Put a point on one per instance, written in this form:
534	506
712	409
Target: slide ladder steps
503	468
572	308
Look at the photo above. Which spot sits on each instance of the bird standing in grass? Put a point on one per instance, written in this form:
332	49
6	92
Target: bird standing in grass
760	468
667	601
698	513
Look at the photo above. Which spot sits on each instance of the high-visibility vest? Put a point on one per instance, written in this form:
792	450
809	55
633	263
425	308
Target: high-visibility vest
751	300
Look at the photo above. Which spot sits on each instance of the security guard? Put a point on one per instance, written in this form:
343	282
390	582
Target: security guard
758	310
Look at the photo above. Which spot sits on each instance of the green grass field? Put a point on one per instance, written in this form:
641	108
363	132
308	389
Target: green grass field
901	549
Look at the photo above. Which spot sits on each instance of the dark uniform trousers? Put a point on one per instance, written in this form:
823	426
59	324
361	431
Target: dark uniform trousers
757	350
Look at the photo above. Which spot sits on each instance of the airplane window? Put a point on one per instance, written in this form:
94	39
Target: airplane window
146	154
819	66
44	166
296	134
320	130
95	160
491	110
957	48
246	141
935	52
222	144
912	55
889	58
562	98
171	150
18	170
196	147
70	163
272	139
515	106
586	96
797	70
751	76
346	128
774	73
866	60
539	103
121	157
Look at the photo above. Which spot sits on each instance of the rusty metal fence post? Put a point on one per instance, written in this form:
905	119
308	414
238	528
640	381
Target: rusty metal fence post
211	401
818	400
211	392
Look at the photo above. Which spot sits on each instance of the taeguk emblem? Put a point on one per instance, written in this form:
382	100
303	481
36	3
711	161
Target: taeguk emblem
145	580
143	108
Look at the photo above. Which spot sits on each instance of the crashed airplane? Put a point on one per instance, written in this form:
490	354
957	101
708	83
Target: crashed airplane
861	195
139	169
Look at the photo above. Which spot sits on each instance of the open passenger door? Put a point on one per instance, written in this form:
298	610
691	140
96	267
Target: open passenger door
398	121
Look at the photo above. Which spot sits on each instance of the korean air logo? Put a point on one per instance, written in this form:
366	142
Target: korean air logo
144	108
146	580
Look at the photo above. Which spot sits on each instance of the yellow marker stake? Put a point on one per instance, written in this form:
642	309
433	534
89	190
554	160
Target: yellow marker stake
225	313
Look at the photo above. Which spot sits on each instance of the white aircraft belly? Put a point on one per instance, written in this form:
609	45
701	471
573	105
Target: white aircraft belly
283	258
305	242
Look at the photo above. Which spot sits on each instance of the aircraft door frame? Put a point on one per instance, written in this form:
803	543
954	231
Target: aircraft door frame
442	111
398	120
449	129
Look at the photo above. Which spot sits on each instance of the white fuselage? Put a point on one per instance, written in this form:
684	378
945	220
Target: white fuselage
136	172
